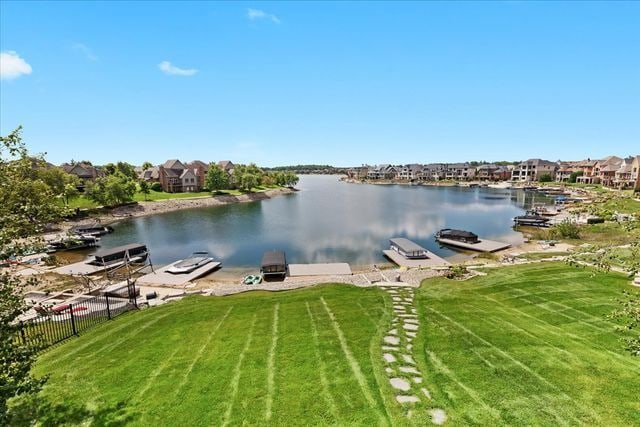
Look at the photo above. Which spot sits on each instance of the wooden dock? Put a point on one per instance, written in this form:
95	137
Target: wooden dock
432	260
483	245
161	277
84	269
322	269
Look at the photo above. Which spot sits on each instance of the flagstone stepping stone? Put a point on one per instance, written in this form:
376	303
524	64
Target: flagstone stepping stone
407	399
411	334
389	348
408	359
389	339
399	307
417	380
393	332
409	300
396	299
389	358
400	384
407	315
410	320
409	370
409	347
410	327
426	393
438	416
388	371
413	310
410	339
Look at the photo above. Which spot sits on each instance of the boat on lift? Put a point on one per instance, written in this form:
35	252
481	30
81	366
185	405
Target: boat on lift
195	261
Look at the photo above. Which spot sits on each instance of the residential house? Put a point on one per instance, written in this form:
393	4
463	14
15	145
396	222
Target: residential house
605	170
385	171
433	172
410	172
635	173
533	170
358	173
460	172
176	177
492	172
226	165
201	168
565	169
84	171
151	175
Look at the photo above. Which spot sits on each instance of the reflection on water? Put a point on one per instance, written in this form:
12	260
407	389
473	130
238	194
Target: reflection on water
327	221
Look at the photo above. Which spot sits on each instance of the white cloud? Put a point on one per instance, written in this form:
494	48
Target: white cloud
259	15
172	70
85	50
12	66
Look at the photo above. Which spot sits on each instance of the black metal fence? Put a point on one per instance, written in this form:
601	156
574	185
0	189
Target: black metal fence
57	323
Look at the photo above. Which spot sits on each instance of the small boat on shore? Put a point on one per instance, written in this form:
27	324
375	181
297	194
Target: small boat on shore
195	261
531	218
92	229
252	279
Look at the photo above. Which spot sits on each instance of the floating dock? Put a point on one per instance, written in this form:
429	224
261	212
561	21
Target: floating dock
483	245
161	277
322	269
432	260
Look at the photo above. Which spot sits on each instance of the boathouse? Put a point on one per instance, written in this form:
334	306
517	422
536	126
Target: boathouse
407	248
274	263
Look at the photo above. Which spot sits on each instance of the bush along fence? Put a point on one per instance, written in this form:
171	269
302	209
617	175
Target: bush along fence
51	325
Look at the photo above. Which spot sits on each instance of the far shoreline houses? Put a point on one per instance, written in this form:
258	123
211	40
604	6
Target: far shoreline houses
611	171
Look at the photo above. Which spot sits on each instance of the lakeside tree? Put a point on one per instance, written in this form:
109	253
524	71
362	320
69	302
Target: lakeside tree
574	176
124	168
144	188
545	178
28	204
217	178
249	181
147	165
61	183
112	190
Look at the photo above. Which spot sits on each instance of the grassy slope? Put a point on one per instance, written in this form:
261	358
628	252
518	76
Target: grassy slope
523	345
207	360
529	344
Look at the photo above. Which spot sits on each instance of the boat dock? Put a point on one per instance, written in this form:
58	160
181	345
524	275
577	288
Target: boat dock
432	260
84	269
482	245
322	269
161	277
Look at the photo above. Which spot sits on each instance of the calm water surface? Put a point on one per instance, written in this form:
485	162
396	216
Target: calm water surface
326	221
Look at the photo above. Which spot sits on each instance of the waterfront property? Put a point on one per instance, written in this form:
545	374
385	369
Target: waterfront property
407	248
406	253
467	240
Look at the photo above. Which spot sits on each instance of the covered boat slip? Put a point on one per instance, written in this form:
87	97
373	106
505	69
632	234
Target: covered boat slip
274	263
408	254
133	252
163	278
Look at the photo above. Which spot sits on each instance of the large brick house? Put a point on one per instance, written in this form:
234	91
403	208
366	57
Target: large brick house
533	170
176	177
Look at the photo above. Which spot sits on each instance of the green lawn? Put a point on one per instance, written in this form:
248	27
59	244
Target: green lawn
529	345
270	358
524	345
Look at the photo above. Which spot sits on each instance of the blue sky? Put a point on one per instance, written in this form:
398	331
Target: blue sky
338	83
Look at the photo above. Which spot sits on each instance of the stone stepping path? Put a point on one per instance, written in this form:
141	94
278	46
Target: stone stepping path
397	352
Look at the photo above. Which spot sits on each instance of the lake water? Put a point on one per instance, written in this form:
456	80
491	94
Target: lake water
326	221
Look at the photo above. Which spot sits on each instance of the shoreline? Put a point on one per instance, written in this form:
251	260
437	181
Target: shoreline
149	208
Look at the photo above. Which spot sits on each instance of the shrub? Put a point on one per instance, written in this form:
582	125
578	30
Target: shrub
546	178
156	186
566	229
456	271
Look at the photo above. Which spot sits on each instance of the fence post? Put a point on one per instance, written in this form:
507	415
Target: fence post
22	335
108	309
73	320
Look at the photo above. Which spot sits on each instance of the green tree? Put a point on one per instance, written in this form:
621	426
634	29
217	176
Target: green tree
112	190
249	181
545	178
290	179
146	165
28	204
126	169
144	188
217	178
70	190
574	176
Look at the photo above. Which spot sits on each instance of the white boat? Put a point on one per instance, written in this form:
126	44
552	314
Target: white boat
196	260
502	185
